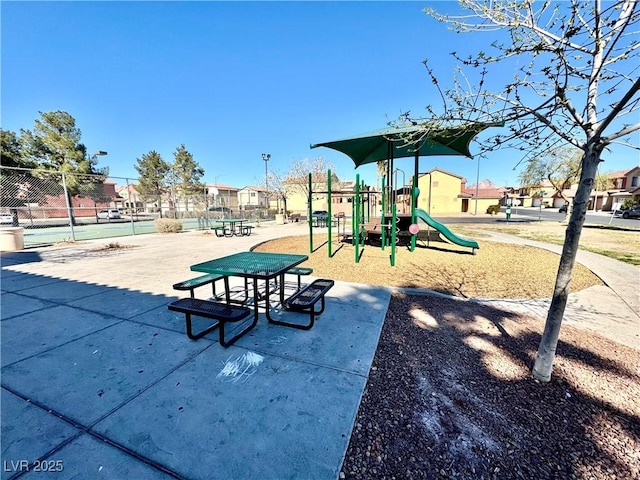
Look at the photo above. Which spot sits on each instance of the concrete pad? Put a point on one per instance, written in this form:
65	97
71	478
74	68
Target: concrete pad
64	291
28	433
43	330
19	281
344	337
88	457
13	305
162	317
256	418
121	303
18	258
97	373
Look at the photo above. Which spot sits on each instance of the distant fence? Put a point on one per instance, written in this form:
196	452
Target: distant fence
58	206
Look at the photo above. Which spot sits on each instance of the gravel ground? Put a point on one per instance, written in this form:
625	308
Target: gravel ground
450	394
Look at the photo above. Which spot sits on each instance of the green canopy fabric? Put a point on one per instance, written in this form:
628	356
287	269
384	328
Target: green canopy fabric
374	146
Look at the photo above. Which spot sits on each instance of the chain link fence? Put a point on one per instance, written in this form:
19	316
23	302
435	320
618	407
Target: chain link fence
54	207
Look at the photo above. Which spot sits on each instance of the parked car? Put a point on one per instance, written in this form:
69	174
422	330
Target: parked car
109	214
564	208
6	218
632	213
320	214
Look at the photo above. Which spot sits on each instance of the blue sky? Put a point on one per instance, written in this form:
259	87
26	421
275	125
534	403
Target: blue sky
233	80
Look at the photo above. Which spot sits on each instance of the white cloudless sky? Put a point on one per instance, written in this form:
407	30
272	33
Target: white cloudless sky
233	80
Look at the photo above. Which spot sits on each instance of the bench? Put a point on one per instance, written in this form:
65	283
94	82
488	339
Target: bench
246	229
194	283
220	231
299	271
221	312
305	300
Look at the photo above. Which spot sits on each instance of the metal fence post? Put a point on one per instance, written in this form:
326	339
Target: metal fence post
131	208
69	212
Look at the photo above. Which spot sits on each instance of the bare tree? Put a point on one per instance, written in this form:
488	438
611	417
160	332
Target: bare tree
277	187
575	83
297	179
561	167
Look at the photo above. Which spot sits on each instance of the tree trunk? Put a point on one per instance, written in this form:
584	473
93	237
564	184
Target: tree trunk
71	212
547	348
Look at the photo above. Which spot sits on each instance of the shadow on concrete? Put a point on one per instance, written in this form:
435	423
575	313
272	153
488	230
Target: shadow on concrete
103	381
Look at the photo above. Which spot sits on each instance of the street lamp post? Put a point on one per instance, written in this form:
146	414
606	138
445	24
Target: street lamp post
94	158
266	157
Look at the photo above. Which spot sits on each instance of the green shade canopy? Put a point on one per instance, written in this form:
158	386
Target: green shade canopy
374	146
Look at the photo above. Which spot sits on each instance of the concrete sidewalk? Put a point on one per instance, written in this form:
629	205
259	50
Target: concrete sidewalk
99	378
612	310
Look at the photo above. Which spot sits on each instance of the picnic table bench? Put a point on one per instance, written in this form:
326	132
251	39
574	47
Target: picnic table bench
194	283
304	301
221	312
299	271
220	230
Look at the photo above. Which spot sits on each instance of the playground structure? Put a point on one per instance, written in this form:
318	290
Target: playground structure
386	145
388	229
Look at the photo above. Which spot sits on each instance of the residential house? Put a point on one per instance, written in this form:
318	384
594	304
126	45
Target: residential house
477	198
297	191
625	183
85	204
626	186
252	198
222	195
440	192
129	199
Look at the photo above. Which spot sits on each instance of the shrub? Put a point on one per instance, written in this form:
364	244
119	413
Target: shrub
493	209
167	225
628	204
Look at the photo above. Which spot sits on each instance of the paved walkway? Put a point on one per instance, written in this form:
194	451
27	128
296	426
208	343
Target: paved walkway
99	378
612	310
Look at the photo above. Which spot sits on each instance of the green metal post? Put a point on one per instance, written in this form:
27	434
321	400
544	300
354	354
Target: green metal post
385	199
414	204
393	235
329	210
356	227
353	219
309	217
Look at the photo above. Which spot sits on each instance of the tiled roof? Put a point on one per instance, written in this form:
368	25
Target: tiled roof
485	192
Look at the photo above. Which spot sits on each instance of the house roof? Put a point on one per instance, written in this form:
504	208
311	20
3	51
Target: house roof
254	188
484	192
617	174
438	169
222	186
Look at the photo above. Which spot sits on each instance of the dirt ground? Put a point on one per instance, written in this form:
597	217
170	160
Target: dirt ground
450	394
495	271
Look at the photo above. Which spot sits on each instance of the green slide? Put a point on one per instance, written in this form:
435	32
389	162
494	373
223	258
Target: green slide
448	234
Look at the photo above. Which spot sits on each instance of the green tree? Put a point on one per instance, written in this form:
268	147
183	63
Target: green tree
54	146
14	177
561	167
153	171
12	155
187	174
574	83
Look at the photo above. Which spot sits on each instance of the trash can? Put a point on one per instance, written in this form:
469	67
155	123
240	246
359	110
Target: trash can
279	219
11	239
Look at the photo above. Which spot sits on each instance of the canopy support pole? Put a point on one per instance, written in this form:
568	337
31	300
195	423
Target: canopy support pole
414	198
